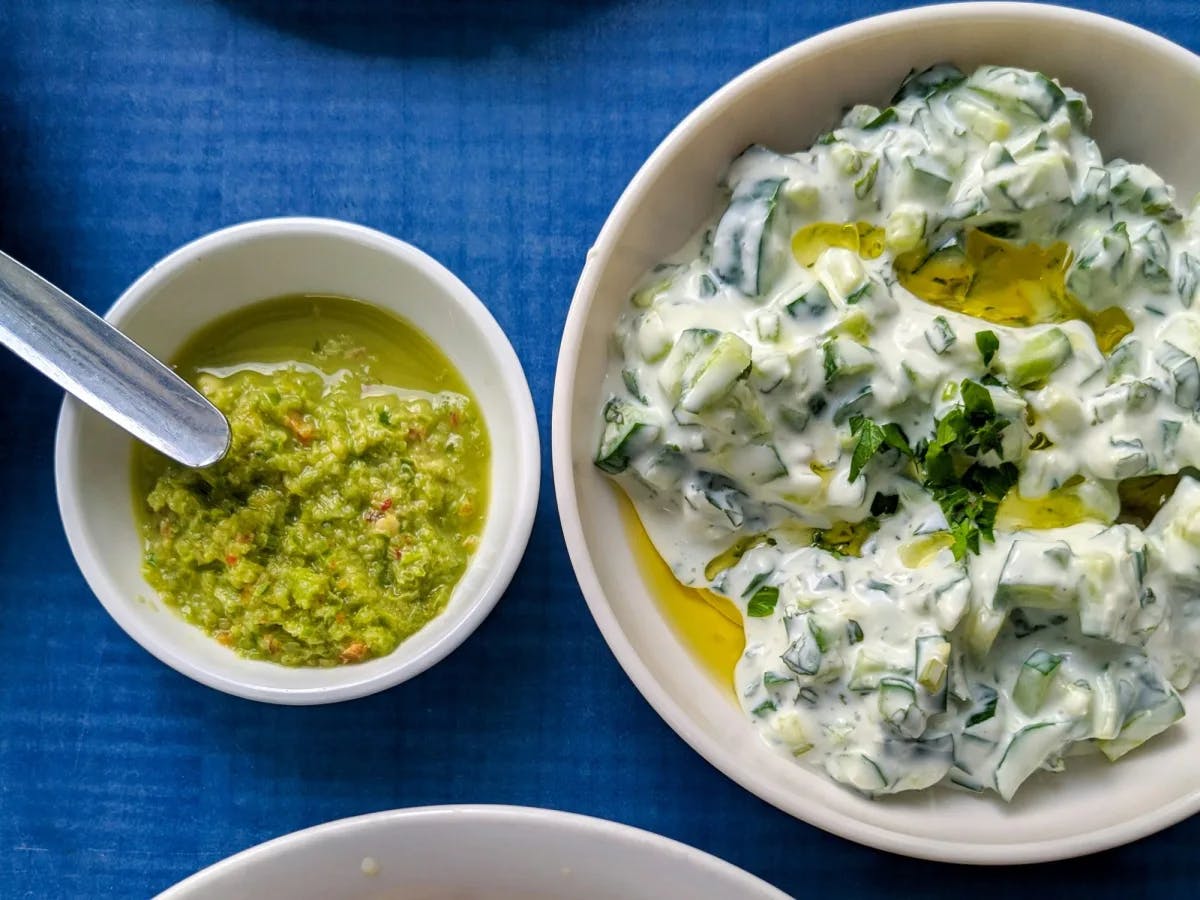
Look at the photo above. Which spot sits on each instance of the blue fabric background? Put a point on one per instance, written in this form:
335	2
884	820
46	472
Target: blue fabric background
496	136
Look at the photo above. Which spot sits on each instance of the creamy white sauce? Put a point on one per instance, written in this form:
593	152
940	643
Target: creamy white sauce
738	369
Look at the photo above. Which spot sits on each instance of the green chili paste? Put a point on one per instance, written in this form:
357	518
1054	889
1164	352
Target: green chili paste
352	496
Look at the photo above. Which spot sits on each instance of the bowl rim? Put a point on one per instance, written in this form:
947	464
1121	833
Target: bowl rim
564	474
526	474
499	815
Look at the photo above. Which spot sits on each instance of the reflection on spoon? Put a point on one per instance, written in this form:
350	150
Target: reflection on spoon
89	358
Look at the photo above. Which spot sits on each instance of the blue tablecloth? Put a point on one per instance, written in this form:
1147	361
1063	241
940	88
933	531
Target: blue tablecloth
496	136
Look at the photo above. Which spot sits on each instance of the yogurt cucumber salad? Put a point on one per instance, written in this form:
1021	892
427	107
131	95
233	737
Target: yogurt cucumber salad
922	401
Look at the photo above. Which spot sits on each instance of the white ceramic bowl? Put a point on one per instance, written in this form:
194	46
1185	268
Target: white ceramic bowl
468	852
227	270
1136	83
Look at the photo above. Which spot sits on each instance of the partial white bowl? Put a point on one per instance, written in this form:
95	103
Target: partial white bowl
1136	83
469	852
225	271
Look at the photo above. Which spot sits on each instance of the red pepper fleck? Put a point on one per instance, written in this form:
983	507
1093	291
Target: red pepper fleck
385	505
231	559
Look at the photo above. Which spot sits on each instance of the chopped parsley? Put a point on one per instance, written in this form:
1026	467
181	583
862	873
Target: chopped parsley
988	344
948	464
763	602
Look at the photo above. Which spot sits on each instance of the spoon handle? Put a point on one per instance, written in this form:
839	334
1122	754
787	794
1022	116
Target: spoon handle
82	353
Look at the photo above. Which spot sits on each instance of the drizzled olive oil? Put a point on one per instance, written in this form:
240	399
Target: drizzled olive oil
1006	283
710	627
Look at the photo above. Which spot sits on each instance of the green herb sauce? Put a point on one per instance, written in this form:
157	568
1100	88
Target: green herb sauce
352	496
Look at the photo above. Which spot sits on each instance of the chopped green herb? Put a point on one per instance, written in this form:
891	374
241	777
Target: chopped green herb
988	344
869	438
968	491
762	604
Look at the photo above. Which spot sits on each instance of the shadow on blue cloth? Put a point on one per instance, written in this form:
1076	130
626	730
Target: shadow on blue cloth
426	28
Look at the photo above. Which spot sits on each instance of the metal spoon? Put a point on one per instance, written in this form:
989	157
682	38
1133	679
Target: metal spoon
82	353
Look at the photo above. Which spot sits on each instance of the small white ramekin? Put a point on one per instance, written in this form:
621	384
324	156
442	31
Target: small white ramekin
225	271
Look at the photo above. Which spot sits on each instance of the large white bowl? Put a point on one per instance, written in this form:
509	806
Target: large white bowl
225	271
468	852
1139	86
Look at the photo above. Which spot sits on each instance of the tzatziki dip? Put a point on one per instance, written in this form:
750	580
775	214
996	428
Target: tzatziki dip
922	403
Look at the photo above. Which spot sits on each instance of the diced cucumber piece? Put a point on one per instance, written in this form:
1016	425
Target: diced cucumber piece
1095	185
983	626
769	370
713	377
766	326
1037	574
853	406
984	708
654	339
1187	278
662	470
756	463
905	228
740	239
1125	359
1185	373
814	302
980	117
866	181
723	494
920	179
1128	457
707	365
868	670
1042	177
1155	253
878	118
1097	276
1031	92
857	770
1140	189
803	655
930	81
626	427
788	729
940	335
898	706
1128	396
972	759
692	342
1143	725
933	661
1159	200
1030	747
956	679
629	377
1039	357
645	296
845	358
1034	680
1108	706
1170	435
